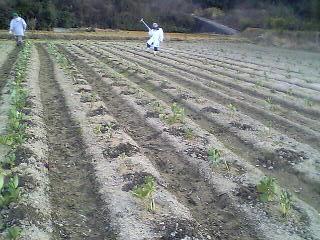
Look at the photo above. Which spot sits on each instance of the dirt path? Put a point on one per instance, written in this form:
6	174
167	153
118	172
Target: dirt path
210	209
76	206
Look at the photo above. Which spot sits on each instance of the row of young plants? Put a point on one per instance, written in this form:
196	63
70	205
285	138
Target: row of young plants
233	81
261	133
267	188
14	137
144	103
148	193
261	105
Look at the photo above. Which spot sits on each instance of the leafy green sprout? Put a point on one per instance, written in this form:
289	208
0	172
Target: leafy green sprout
267	189
145	192
9	191
177	115
189	133
269	101
13	233
285	203
232	108
214	156
290	92
308	102
158	108
105	128
9	160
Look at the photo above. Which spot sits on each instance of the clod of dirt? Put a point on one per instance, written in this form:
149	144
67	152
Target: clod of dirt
143	102
105	126
197	153
134	179
84	88
291	156
175	131
119	84
210	110
27	182
165	85
152	115
98	111
123	148
88	97
127	92
22	154
247	193
80	81
26	111
182	96
29	123
240	126
282	157
178	229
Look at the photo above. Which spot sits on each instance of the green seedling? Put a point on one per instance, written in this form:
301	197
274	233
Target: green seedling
123	156
9	191
16	125
232	108
13	139
189	133
177	116
269	101
158	108
258	83
9	160
214	156
308	102
285	202
267	188
13	233
290	92
146	191
18	98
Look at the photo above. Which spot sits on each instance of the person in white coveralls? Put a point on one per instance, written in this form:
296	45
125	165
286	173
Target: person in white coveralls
156	38
18	27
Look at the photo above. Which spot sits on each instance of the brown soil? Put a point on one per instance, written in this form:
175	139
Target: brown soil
76	206
217	217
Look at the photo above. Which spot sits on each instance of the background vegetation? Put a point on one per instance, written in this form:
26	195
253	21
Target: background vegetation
174	15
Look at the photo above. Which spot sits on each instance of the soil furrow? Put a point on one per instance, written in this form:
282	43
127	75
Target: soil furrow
76	206
292	129
311	113
275	76
290	179
183	181
244	58
7	67
259	65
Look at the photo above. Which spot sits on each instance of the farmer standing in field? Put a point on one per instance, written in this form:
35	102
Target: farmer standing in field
18	27
156	37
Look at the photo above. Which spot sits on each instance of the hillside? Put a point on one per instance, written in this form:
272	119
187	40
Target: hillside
174	15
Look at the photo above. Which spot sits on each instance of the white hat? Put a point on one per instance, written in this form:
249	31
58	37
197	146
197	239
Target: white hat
155	25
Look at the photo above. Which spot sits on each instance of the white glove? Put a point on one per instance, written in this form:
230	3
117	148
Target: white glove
10	32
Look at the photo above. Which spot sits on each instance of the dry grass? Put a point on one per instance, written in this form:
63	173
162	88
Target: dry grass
114	35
